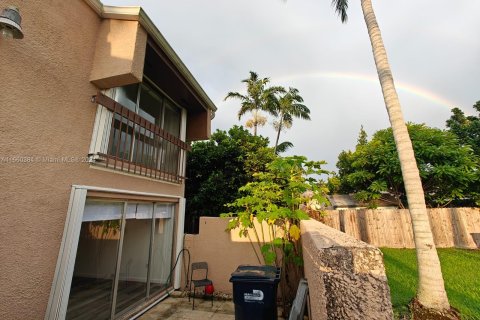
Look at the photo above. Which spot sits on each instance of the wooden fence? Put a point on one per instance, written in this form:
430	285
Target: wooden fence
452	227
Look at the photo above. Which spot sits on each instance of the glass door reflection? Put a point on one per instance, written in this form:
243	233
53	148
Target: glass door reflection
91	292
124	257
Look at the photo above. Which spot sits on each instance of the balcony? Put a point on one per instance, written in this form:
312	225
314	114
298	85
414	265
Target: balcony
123	140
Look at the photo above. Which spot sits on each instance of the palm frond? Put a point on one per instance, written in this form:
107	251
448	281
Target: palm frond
341	7
247	106
235	95
284	146
253	78
276	89
288	107
300	111
258	97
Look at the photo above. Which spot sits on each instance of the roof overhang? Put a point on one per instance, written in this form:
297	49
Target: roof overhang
138	14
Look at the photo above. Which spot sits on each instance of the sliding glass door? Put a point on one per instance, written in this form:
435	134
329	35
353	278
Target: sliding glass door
124	257
91	293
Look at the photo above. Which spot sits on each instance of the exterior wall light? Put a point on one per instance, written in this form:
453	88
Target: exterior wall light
10	21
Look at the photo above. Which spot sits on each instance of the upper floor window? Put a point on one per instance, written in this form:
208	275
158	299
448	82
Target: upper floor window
150	105
140	132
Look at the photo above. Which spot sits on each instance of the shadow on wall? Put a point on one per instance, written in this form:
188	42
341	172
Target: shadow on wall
476	238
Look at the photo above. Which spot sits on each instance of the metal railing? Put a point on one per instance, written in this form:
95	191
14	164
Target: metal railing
138	146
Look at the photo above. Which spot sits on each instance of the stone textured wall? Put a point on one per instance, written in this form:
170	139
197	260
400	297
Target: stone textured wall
451	227
346	277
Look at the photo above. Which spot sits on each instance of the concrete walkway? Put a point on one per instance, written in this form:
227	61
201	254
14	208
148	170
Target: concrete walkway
179	308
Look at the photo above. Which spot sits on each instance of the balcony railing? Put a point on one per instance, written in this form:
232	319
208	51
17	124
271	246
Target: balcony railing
123	140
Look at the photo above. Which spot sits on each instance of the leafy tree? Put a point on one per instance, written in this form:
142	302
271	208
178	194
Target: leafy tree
275	199
288	106
218	167
431	289
362	137
333	184
448	170
467	128
338	183
259	97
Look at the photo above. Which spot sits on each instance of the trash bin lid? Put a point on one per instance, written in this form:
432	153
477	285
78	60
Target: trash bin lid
246	272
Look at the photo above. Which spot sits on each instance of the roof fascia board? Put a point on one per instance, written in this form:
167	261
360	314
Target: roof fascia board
96	5
138	14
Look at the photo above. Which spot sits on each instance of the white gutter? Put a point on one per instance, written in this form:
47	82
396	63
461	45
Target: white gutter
112	190
179	241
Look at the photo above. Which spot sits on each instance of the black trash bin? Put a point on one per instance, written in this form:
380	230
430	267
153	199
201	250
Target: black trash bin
255	292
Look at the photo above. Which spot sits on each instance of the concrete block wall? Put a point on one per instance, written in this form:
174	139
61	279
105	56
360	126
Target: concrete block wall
346	277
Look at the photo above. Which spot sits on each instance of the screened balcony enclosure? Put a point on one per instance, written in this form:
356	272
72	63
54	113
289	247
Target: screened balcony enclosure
137	131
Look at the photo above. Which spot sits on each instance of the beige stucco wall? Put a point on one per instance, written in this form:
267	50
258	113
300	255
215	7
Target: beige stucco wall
223	251
119	54
45	112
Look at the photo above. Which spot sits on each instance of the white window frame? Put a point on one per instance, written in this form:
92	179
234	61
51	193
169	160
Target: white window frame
101	129
62	280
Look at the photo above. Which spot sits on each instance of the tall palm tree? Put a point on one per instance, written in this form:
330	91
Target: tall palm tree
431	289
259	97
289	105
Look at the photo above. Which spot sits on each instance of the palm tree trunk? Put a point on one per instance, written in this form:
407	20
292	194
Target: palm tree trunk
431	289
255	117
278	133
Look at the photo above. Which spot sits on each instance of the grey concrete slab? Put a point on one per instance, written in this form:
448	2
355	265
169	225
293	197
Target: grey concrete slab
179	308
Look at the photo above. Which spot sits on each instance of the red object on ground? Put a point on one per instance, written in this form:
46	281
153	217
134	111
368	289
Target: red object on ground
209	289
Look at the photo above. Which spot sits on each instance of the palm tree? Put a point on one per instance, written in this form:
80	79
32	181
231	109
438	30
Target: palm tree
289	105
258	98
431	289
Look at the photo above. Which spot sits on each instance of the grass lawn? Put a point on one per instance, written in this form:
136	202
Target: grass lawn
461	273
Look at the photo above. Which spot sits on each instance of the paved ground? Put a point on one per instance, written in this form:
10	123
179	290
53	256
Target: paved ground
179	308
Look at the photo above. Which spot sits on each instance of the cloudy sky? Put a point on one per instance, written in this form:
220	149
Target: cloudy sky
433	48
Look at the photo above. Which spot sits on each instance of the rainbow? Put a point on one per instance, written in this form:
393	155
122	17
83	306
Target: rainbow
415	90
